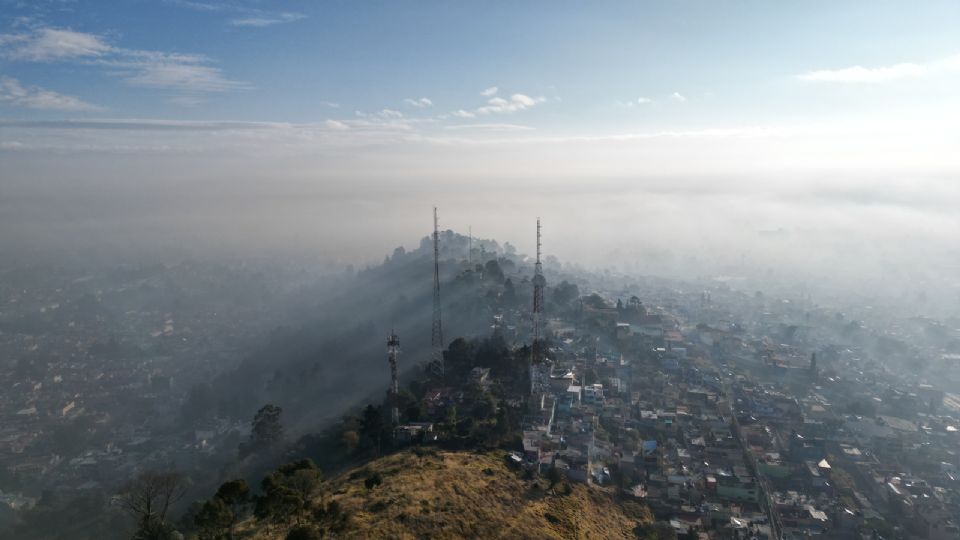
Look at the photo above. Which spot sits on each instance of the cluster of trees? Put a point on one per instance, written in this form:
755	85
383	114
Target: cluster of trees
290	493
217	517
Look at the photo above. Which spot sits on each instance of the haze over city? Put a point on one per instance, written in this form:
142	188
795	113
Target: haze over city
234	198
333	127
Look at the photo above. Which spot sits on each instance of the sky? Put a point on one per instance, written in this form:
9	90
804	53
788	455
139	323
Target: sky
647	126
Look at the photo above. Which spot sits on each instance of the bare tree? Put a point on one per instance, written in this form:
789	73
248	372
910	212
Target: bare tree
148	498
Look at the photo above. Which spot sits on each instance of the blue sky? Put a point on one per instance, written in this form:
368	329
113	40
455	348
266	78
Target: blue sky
576	68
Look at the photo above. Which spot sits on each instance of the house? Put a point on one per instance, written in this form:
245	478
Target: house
593	394
414	432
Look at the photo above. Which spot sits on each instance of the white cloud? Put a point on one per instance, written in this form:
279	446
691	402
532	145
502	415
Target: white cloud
517	102
882	74
331	104
336	124
639	102
390	113
421	103
50	44
382	114
262	20
860	74
153	69
460	113
173	72
490	92
677	97
250	17
15	94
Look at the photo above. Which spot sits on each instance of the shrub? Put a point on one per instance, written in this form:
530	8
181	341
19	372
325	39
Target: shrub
373	481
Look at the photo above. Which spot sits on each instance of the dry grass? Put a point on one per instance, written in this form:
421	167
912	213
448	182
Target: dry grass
467	495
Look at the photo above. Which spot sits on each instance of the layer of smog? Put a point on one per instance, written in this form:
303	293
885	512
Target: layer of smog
300	270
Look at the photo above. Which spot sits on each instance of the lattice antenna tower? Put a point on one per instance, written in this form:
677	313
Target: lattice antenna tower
436	340
393	350
539	283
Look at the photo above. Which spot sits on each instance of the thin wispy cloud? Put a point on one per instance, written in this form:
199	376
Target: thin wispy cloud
421	103
13	93
460	113
389	113
260	21
52	44
882	74
677	97
244	16
151	69
516	102
490	92
167	73
639	102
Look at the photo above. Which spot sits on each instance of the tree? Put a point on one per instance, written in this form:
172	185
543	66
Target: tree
371	425
492	270
235	494
595	301
266	430
148	499
553	476
413	412
452	417
332	516
565	293
349	441
502	427
215	520
288	491
303	482
509	292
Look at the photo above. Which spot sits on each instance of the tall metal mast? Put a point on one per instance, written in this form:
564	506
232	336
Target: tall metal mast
393	350
436	357
539	282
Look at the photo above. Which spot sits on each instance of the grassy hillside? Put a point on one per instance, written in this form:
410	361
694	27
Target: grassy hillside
439	494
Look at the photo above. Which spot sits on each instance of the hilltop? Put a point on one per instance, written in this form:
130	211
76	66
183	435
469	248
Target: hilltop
430	493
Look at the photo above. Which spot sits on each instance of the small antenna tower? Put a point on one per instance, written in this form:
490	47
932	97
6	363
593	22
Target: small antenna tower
393	350
436	340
